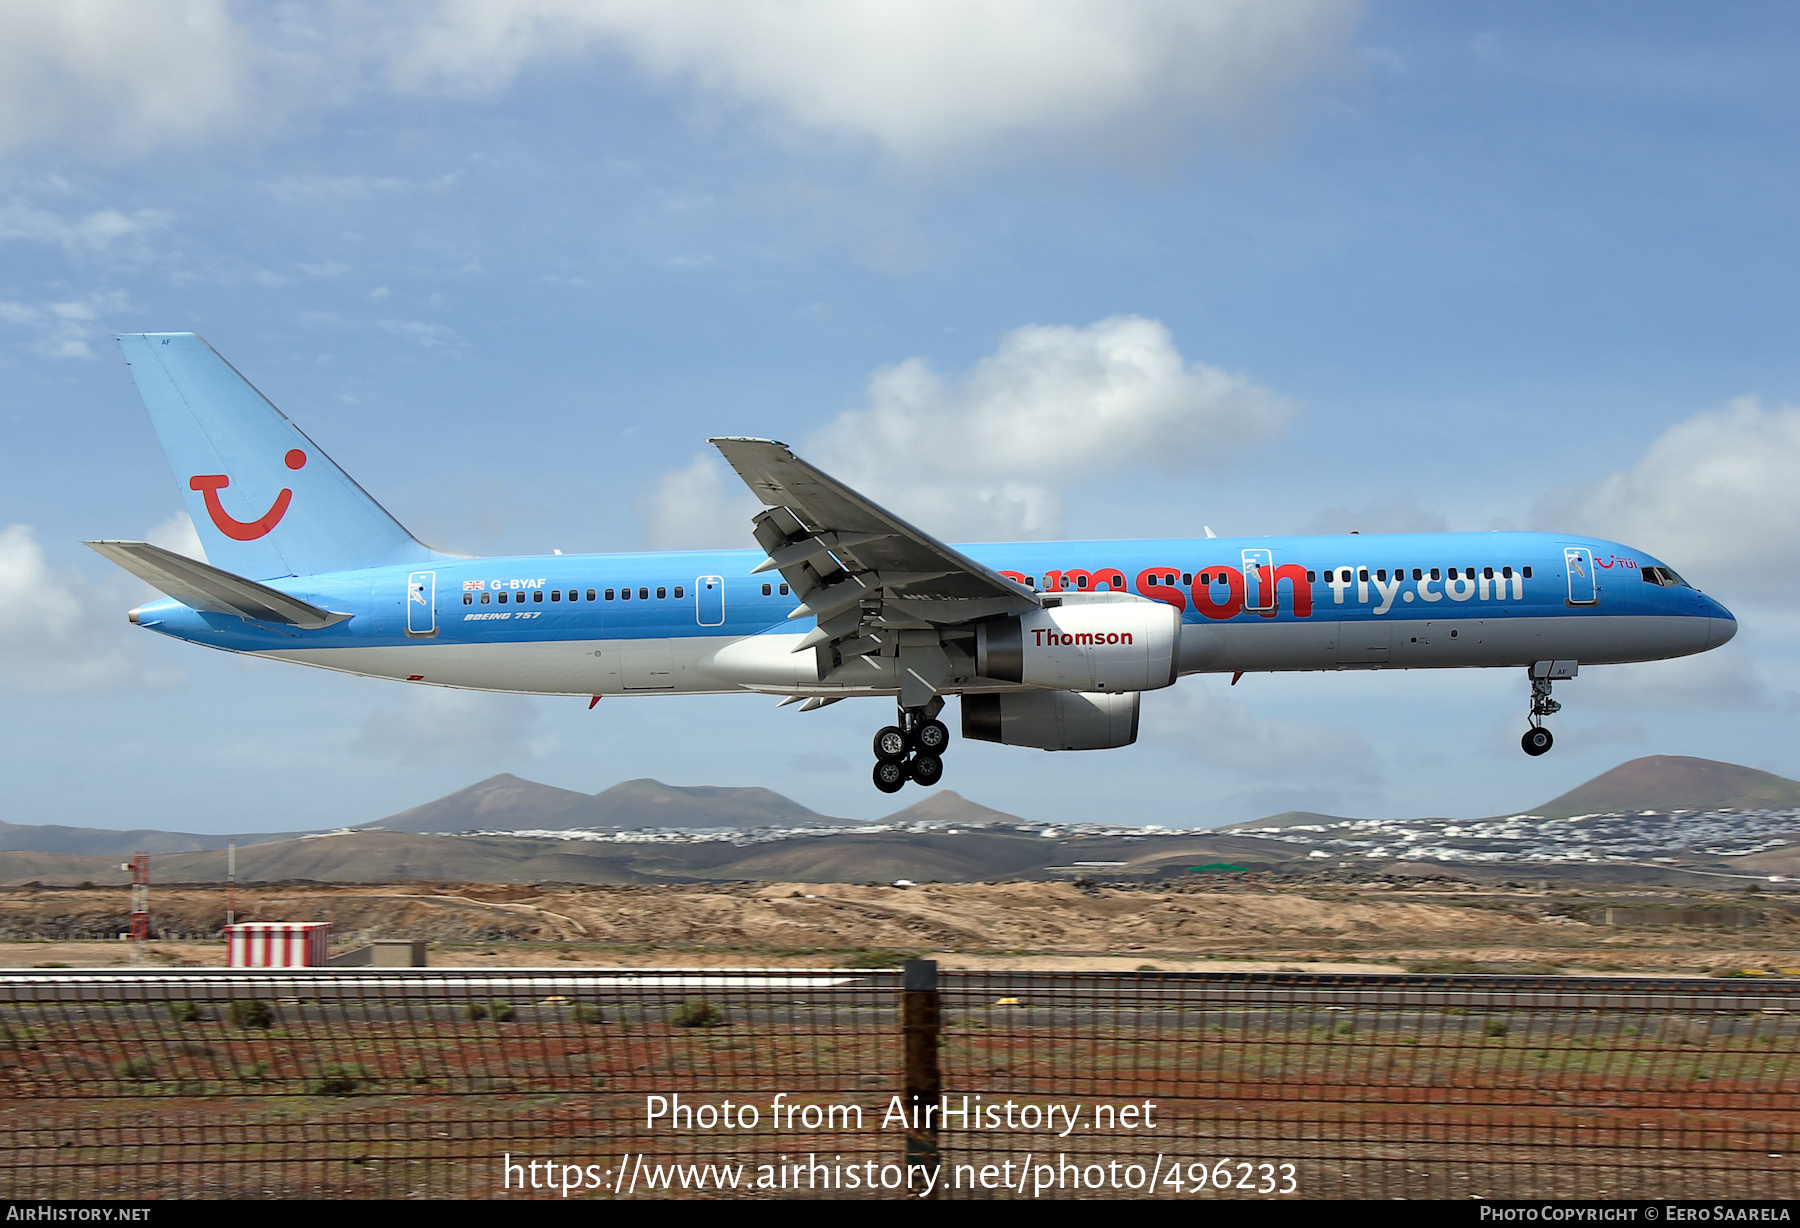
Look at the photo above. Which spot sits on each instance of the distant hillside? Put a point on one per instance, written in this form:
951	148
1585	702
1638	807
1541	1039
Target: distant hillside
1656	782
499	802
853	857
351	857
949	806
1287	818
101	841
1675	782
650	803
508	803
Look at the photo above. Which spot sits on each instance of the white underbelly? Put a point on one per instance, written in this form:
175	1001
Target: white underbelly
1438	643
692	665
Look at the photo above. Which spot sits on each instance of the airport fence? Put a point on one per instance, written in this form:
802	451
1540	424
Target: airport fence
583	1083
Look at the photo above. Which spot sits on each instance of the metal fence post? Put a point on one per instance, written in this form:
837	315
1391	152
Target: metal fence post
919	1016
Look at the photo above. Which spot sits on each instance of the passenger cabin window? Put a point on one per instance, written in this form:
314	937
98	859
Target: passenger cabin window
1186	578
1030	582
468	598
1310	577
1507	572
590	594
1434	573
624	594
484	599
537	594
502	598
784	590
1526	572
1419	575
1487	573
662	594
768	589
1381	573
678	592
1081	581
556	595
1363	575
643	594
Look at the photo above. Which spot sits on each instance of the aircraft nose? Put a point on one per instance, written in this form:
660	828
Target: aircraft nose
1722	629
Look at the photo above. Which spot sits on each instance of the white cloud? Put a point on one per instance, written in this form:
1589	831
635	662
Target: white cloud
1400	514
177	534
435	725
59	635
1715	497
1733	678
703	506
431	336
99	231
1210	728
64	329
985	454
918	77
118	72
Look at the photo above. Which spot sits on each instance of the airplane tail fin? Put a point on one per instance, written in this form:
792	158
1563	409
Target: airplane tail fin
266	500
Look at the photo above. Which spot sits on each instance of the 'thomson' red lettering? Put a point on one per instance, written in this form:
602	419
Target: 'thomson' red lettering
1052	638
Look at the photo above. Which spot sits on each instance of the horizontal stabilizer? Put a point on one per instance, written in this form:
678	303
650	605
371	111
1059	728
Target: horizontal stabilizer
202	586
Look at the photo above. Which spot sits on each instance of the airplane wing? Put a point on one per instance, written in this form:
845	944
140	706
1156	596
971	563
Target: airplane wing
202	586
857	568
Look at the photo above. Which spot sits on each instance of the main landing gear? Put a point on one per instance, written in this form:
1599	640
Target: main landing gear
1537	739
912	750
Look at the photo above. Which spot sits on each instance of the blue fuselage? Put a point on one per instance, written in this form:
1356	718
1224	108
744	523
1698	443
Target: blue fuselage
1286	603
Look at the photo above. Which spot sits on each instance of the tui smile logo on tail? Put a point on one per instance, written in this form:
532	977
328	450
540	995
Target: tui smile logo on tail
210	484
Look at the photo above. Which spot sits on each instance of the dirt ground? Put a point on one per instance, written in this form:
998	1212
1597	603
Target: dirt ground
1175	926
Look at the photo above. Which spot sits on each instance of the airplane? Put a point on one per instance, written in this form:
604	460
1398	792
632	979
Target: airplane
1046	644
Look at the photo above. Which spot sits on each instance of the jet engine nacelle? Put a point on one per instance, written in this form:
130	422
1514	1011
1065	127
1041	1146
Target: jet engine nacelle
1052	720
1115	643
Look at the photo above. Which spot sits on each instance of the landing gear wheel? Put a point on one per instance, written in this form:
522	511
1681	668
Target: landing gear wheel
926	768
931	736
1536	741
891	745
890	777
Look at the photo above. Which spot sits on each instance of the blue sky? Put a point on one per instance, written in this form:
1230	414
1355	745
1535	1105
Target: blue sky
1385	266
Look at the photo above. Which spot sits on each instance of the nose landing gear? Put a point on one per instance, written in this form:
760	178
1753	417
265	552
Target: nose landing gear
912	750
1537	739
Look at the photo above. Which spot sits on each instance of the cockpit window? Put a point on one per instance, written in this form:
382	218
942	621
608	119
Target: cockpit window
1662	576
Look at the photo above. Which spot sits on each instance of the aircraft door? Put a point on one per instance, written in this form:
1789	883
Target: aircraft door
1259	580
1579	564
421	604
709	601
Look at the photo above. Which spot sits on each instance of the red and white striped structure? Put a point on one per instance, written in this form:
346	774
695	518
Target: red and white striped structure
279	944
